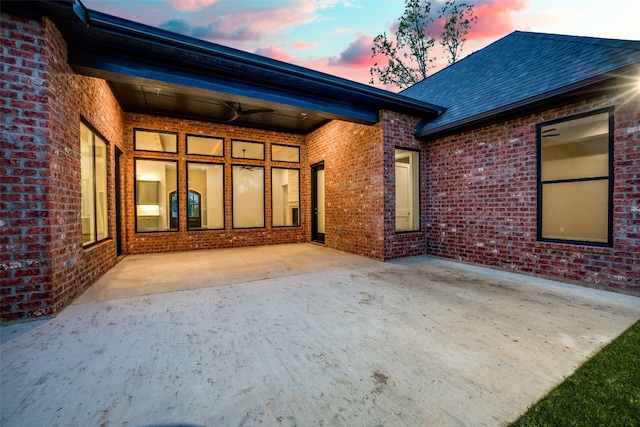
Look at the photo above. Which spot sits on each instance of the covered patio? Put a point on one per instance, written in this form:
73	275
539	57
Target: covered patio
302	335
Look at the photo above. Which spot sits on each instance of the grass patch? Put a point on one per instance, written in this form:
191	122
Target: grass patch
605	391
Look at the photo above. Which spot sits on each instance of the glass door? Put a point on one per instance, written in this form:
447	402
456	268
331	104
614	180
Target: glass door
317	203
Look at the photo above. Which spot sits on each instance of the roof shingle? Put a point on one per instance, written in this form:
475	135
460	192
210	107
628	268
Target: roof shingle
516	68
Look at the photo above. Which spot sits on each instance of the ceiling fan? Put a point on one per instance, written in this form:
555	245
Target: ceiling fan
238	112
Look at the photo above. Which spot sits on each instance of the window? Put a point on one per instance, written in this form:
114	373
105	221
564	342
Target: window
285	153
205	145
407	167
93	171
157	199
205	198
248	196
575	179
247	150
165	142
285	197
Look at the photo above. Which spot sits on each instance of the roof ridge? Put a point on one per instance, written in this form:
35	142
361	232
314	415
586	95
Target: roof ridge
587	40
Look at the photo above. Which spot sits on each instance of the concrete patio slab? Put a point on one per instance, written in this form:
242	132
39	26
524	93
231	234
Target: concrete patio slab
413	342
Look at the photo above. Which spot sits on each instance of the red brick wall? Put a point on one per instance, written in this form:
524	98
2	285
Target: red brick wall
210	239
399	133
481	201
354	193
43	265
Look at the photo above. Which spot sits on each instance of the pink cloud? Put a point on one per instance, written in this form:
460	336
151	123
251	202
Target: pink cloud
495	18
190	5
273	52
303	45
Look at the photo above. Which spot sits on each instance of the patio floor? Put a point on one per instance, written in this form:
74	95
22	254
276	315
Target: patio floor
302	335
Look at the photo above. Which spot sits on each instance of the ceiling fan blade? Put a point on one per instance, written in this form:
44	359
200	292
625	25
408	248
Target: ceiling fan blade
256	111
235	116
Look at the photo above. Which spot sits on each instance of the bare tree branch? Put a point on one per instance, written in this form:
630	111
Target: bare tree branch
408	51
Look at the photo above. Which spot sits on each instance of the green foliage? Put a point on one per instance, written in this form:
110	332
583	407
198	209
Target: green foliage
605	391
458	20
408	52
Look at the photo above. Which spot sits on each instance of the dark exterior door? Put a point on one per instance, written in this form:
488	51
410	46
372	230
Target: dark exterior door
317	203
118	171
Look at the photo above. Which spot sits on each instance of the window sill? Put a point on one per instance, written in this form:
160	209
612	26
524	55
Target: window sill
572	247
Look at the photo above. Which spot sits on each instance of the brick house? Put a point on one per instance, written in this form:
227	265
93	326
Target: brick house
119	138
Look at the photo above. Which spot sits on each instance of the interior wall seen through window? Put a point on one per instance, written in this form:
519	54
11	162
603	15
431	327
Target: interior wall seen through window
155	141
285	153
248	196
407	172
574	179
247	150
157	204
205	145
205	200
93	172
285	197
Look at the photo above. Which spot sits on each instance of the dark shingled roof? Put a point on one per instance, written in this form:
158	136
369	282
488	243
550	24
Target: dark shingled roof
516	70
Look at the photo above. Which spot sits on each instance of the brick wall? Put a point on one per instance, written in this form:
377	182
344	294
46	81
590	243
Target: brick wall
43	265
354	193
481	201
211	239
399	133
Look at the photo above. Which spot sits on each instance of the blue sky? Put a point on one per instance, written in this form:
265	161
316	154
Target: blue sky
335	36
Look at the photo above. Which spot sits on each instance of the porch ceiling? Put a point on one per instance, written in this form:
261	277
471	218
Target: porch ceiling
138	95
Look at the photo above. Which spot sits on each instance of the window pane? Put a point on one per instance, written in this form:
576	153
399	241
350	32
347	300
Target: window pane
204	145
156	141
93	170
102	231
248	196
157	201
285	195
407	190
247	150
576	211
88	200
284	153
205	201
576	148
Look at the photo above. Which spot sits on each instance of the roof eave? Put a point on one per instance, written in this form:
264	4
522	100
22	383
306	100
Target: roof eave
388	100
247	64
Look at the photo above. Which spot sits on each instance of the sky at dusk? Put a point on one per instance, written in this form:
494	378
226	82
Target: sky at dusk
336	36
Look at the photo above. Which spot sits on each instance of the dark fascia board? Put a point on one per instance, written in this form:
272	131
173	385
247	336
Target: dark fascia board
579	90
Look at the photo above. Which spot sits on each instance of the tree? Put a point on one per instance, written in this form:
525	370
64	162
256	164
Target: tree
458	20
408	53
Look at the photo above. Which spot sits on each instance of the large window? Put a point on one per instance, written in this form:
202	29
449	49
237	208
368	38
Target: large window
205	198
93	169
285	197
157	198
248	196
575	179
407	168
